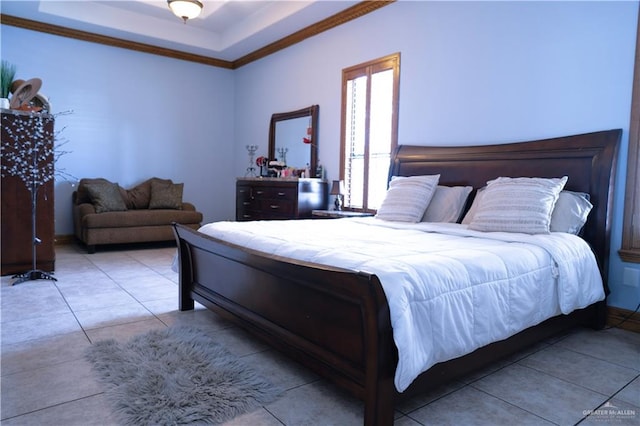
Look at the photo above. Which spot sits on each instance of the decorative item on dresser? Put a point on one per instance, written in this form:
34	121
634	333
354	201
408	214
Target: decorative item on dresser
21	249
251	170
273	198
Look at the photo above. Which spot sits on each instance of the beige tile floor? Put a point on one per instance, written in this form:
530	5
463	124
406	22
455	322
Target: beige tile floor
46	327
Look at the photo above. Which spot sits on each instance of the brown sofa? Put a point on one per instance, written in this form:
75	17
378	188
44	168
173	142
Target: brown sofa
105	213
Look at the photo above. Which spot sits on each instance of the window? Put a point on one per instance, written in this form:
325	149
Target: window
369	130
630	251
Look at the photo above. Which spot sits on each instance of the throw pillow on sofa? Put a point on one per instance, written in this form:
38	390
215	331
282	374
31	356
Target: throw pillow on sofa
106	197
166	195
82	195
139	196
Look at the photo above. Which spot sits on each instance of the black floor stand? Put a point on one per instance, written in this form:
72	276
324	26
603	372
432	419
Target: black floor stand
32	275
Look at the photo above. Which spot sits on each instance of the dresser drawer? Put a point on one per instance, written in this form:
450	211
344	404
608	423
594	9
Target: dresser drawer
245	203
259	193
248	204
248	215
243	193
279	193
276	206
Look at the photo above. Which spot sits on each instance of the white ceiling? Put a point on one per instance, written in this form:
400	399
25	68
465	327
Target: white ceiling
226	29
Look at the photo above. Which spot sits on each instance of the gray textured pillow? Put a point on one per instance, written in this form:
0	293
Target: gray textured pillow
82	195
407	198
570	212
447	204
106	197
166	195
517	205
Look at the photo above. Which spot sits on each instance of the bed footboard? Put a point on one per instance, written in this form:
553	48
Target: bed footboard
334	321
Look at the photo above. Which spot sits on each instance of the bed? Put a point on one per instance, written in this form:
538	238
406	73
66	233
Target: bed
337	321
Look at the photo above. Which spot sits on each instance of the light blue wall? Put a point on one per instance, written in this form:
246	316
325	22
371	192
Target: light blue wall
471	73
134	116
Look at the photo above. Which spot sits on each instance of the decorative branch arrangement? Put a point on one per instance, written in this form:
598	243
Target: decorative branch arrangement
27	155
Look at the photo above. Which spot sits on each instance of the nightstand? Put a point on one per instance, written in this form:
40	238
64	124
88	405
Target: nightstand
336	214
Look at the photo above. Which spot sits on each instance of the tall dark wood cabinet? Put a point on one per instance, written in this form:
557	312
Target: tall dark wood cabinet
15	216
275	198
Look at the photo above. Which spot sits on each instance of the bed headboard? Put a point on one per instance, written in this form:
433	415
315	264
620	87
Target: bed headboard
589	160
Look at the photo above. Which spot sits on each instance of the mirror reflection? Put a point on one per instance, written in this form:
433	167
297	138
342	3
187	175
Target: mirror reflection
293	138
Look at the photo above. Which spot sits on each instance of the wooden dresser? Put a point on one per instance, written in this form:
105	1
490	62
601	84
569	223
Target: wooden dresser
16	210
275	198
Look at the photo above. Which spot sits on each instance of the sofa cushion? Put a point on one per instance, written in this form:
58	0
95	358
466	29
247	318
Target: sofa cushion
139	196
82	195
166	195
105	197
133	218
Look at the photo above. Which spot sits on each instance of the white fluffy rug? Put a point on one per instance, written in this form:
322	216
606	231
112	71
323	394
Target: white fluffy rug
177	376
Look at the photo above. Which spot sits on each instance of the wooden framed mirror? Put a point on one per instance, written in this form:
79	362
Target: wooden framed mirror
287	132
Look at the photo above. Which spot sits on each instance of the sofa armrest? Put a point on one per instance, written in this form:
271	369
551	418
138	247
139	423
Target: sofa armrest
80	211
188	206
84	209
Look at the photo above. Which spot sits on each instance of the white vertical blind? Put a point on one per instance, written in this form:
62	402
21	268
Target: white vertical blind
370	130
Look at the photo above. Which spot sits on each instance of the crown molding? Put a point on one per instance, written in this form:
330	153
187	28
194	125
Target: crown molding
340	18
110	41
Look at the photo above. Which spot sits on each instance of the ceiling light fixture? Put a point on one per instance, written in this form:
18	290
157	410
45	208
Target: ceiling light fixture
185	9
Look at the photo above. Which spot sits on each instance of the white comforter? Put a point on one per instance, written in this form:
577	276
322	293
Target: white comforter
450	290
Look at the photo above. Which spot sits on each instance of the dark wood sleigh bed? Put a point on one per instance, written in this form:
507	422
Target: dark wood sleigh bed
336	322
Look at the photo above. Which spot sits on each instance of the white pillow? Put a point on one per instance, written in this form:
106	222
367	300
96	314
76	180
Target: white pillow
518	205
407	198
570	212
447	204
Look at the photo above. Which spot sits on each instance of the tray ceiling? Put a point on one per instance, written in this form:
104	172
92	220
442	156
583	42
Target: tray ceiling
225	30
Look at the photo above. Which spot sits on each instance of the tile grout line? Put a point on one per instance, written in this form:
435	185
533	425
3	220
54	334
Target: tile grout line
50	406
127	291
607	398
